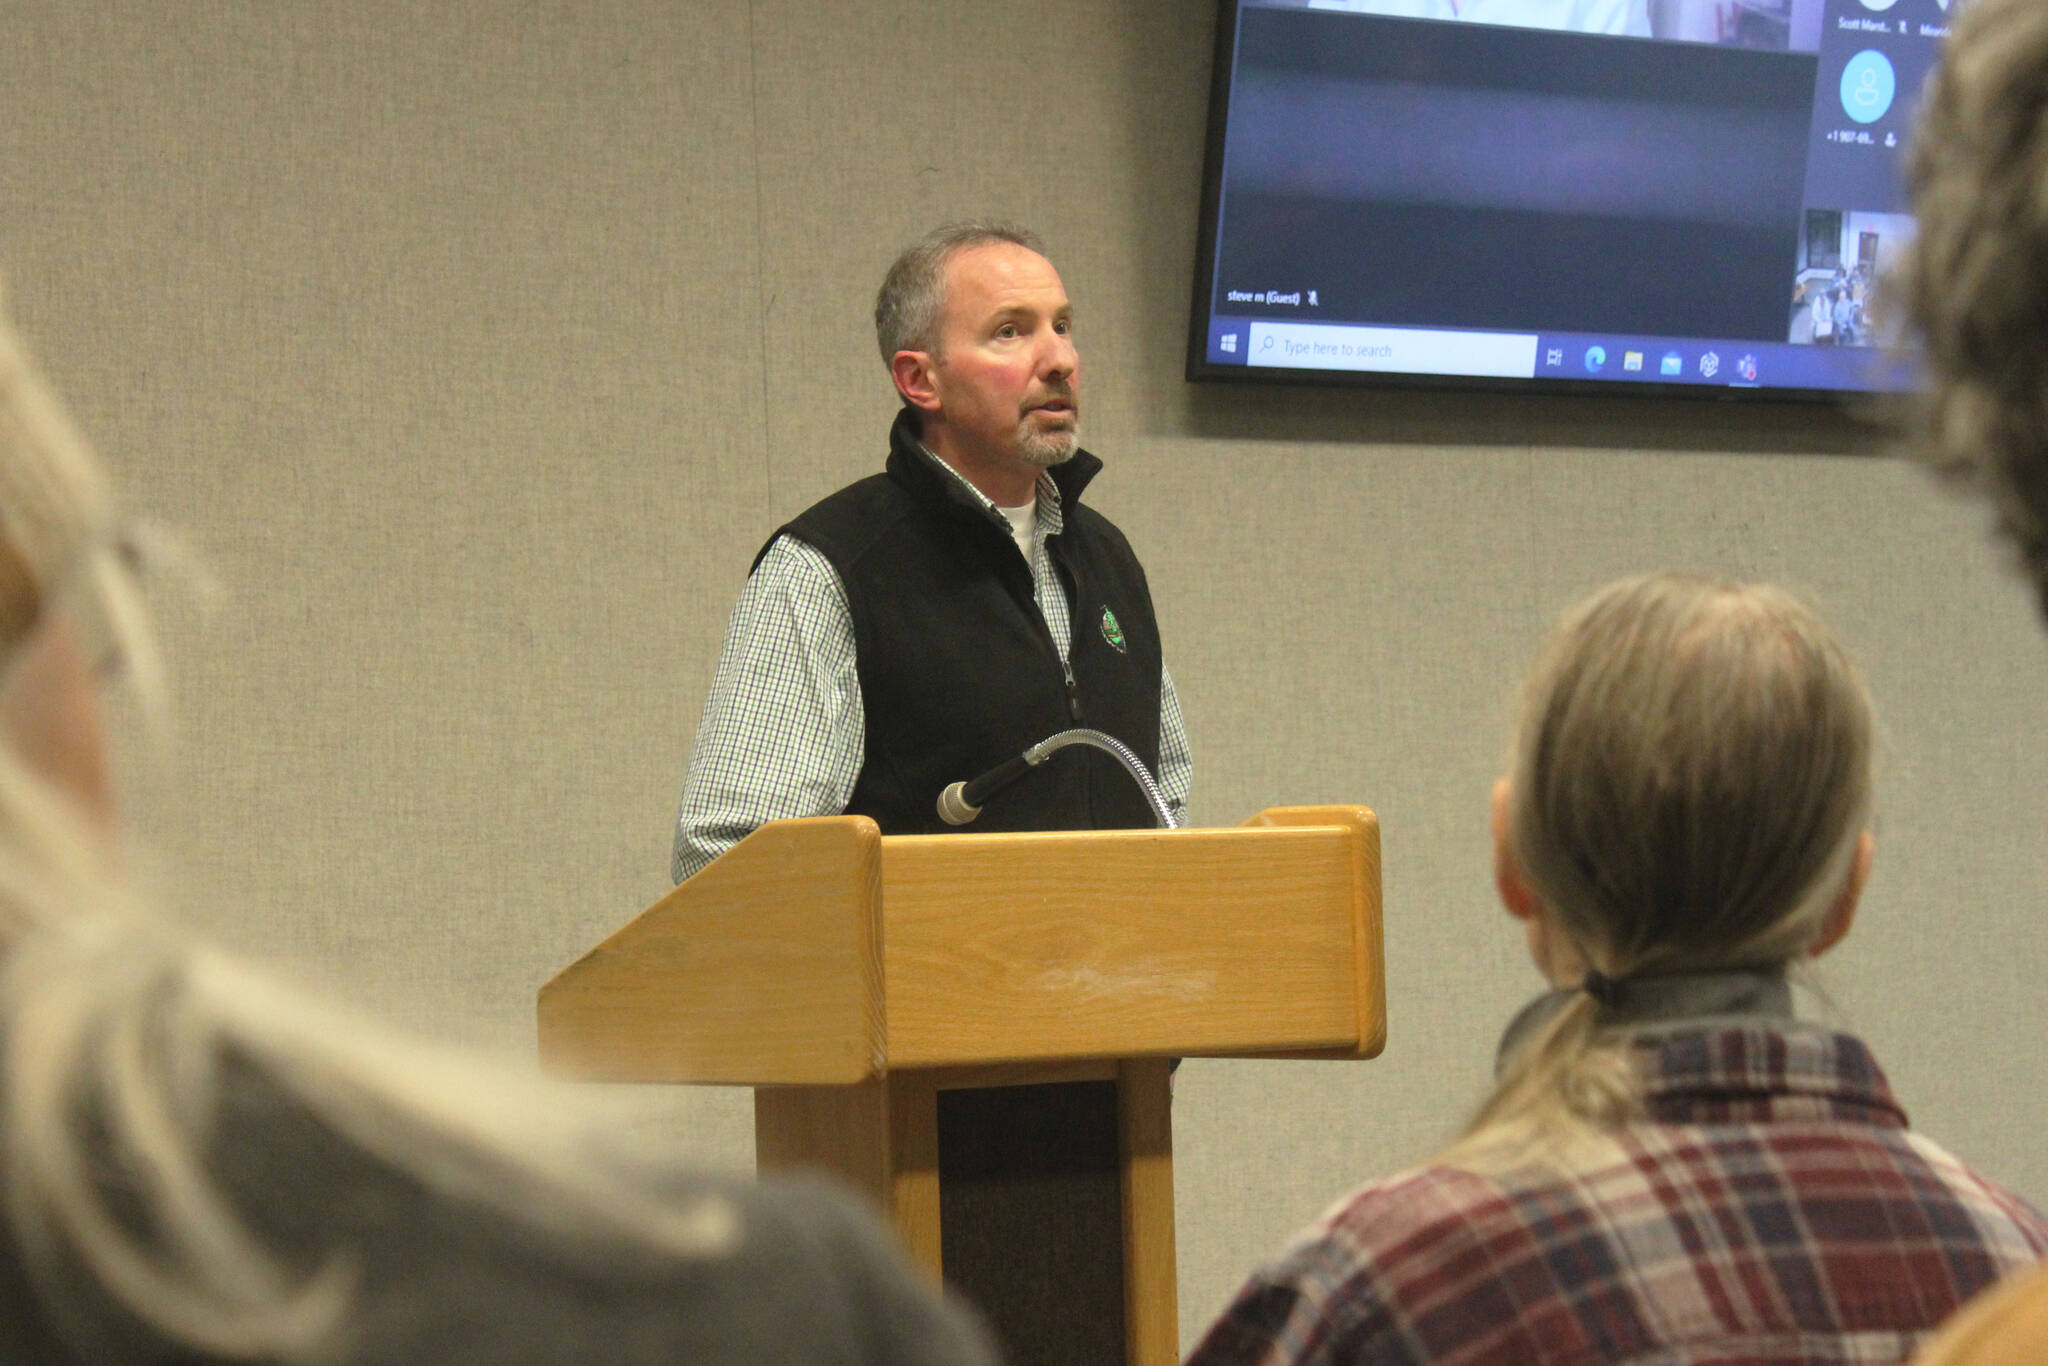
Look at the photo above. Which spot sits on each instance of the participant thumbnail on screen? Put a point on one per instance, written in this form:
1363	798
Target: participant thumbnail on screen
1842	256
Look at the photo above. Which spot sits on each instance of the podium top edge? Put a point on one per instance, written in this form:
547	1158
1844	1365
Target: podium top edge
1254	832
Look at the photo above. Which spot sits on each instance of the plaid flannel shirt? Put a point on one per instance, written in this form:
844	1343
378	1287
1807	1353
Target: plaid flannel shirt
1773	1209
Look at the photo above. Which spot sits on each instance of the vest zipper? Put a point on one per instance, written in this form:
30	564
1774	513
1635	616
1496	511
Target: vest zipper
1064	584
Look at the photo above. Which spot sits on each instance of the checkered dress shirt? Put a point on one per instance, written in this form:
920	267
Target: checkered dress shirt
783	733
1773	1210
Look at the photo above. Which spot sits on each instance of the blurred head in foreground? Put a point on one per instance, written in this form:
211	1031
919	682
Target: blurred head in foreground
61	570
200	1163
1975	282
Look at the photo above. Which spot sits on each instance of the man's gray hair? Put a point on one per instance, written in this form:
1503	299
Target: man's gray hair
913	293
1975	281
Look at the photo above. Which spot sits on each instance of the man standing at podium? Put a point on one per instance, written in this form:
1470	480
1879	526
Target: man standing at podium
927	623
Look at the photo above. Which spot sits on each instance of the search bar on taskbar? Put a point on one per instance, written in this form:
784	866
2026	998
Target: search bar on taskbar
1402	350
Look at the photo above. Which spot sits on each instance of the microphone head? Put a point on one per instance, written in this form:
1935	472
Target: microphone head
953	807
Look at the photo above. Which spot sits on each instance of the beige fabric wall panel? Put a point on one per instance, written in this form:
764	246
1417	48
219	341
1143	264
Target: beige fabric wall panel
880	122
479	348
438	329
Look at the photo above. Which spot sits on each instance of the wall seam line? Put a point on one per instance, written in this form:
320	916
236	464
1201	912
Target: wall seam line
760	265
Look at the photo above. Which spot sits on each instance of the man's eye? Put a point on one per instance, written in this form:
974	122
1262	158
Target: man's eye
1063	326
1007	330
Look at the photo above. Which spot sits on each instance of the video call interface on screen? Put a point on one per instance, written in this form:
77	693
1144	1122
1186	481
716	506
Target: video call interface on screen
1613	192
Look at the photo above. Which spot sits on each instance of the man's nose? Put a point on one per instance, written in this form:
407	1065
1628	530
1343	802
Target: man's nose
1058	357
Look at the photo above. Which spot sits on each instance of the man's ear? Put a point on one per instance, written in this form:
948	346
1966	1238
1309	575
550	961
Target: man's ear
1835	924
1507	874
915	373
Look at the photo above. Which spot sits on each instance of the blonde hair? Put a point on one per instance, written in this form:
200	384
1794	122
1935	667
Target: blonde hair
116	1028
1689	782
56	506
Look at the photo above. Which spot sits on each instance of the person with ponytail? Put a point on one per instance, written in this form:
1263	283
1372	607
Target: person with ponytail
1670	1168
200	1163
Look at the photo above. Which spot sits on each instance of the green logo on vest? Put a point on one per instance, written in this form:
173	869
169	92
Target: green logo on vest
1112	632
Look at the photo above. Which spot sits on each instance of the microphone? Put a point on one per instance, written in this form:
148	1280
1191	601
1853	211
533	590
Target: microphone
962	802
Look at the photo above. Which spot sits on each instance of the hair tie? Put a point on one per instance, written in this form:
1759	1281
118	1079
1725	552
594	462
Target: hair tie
1603	989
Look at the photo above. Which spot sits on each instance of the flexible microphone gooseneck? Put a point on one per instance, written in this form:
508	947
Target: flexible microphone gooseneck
962	802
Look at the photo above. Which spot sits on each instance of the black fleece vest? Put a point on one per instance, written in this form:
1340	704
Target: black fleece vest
957	669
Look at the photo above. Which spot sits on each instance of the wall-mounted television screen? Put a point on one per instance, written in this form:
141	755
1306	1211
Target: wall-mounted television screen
1583	195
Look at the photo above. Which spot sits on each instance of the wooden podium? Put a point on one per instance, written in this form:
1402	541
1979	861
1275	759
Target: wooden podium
851	979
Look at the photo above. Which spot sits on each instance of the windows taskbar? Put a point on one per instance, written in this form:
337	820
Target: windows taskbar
1365	349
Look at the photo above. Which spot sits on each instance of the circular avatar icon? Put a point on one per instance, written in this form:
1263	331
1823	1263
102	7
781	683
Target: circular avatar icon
1868	83
1880	5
